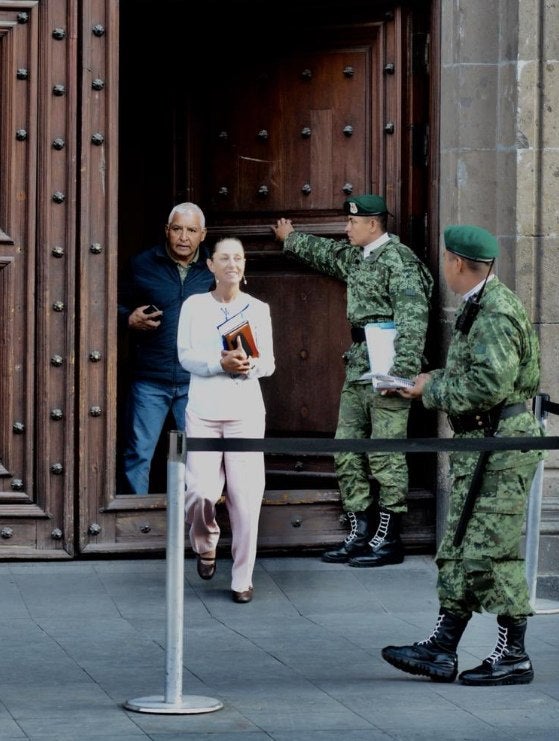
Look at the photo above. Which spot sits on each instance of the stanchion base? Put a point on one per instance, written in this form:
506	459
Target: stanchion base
187	704
546	607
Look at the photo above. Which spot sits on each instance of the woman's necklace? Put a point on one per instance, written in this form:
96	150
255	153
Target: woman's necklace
227	307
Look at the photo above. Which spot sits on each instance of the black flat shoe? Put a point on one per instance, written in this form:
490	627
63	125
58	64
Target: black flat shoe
205	566
241	597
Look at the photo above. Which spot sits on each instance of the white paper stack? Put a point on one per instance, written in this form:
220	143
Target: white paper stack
380	338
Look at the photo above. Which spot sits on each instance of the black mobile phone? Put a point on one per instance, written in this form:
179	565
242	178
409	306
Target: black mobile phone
150	309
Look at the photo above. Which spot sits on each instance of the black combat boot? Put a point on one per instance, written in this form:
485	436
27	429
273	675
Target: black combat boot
356	541
509	663
435	657
385	546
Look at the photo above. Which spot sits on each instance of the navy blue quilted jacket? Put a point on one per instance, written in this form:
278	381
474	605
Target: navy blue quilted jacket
151	277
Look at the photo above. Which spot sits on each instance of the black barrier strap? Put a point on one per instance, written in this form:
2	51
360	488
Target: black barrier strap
550	406
325	446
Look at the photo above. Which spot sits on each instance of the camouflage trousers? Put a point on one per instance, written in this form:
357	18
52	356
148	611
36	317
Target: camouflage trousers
363	415
487	571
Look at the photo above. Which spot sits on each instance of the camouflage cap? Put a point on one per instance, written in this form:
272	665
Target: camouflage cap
471	242
367	205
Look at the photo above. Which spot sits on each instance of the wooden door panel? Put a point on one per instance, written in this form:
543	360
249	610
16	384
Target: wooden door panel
16	236
241	120
37	129
7	347
298	141
325	123
97	244
310	335
291	136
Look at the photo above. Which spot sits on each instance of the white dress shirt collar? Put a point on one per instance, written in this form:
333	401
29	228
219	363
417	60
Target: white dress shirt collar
477	288
368	248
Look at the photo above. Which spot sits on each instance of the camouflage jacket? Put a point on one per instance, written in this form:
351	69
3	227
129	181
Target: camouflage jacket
498	360
391	284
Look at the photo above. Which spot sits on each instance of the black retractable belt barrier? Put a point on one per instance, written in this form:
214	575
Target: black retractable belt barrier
549	406
328	446
542	406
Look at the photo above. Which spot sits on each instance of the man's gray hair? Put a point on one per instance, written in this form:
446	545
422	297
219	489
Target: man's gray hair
186	208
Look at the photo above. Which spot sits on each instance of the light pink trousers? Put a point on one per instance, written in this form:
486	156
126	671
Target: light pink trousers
206	474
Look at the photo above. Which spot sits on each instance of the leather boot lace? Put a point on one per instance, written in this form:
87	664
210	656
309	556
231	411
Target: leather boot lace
501	646
353	532
434	632
382	529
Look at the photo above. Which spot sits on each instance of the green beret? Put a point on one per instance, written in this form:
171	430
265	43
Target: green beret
471	242
368	205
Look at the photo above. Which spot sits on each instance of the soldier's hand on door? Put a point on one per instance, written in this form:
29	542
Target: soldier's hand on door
282	229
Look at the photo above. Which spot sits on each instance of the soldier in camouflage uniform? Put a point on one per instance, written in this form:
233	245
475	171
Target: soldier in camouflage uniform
492	370
386	282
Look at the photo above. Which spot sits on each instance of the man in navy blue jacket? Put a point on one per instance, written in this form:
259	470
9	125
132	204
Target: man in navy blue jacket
151	292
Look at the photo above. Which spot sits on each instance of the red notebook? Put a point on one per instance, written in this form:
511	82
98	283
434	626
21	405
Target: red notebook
238	327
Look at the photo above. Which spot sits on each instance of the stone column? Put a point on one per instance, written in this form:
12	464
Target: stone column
499	168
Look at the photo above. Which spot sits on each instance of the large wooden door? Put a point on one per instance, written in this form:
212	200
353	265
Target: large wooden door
255	120
252	119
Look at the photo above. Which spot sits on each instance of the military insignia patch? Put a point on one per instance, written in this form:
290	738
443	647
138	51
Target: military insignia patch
352	207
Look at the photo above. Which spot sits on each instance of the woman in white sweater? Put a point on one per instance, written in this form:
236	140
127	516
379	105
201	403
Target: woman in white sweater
225	400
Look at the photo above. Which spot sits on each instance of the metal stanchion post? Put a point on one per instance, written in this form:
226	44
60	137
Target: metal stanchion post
173	702
533	520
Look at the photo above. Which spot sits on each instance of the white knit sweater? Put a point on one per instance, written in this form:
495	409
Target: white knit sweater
214	394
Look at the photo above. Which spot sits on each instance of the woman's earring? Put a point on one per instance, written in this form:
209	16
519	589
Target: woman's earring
244	281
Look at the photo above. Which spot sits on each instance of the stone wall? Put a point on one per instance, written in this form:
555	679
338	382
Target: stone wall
499	168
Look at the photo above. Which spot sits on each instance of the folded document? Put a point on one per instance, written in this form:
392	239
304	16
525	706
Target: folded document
386	381
382	381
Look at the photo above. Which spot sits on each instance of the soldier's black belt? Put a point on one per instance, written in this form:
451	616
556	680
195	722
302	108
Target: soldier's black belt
484	420
358	334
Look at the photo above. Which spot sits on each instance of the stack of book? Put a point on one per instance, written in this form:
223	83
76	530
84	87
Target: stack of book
235	328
